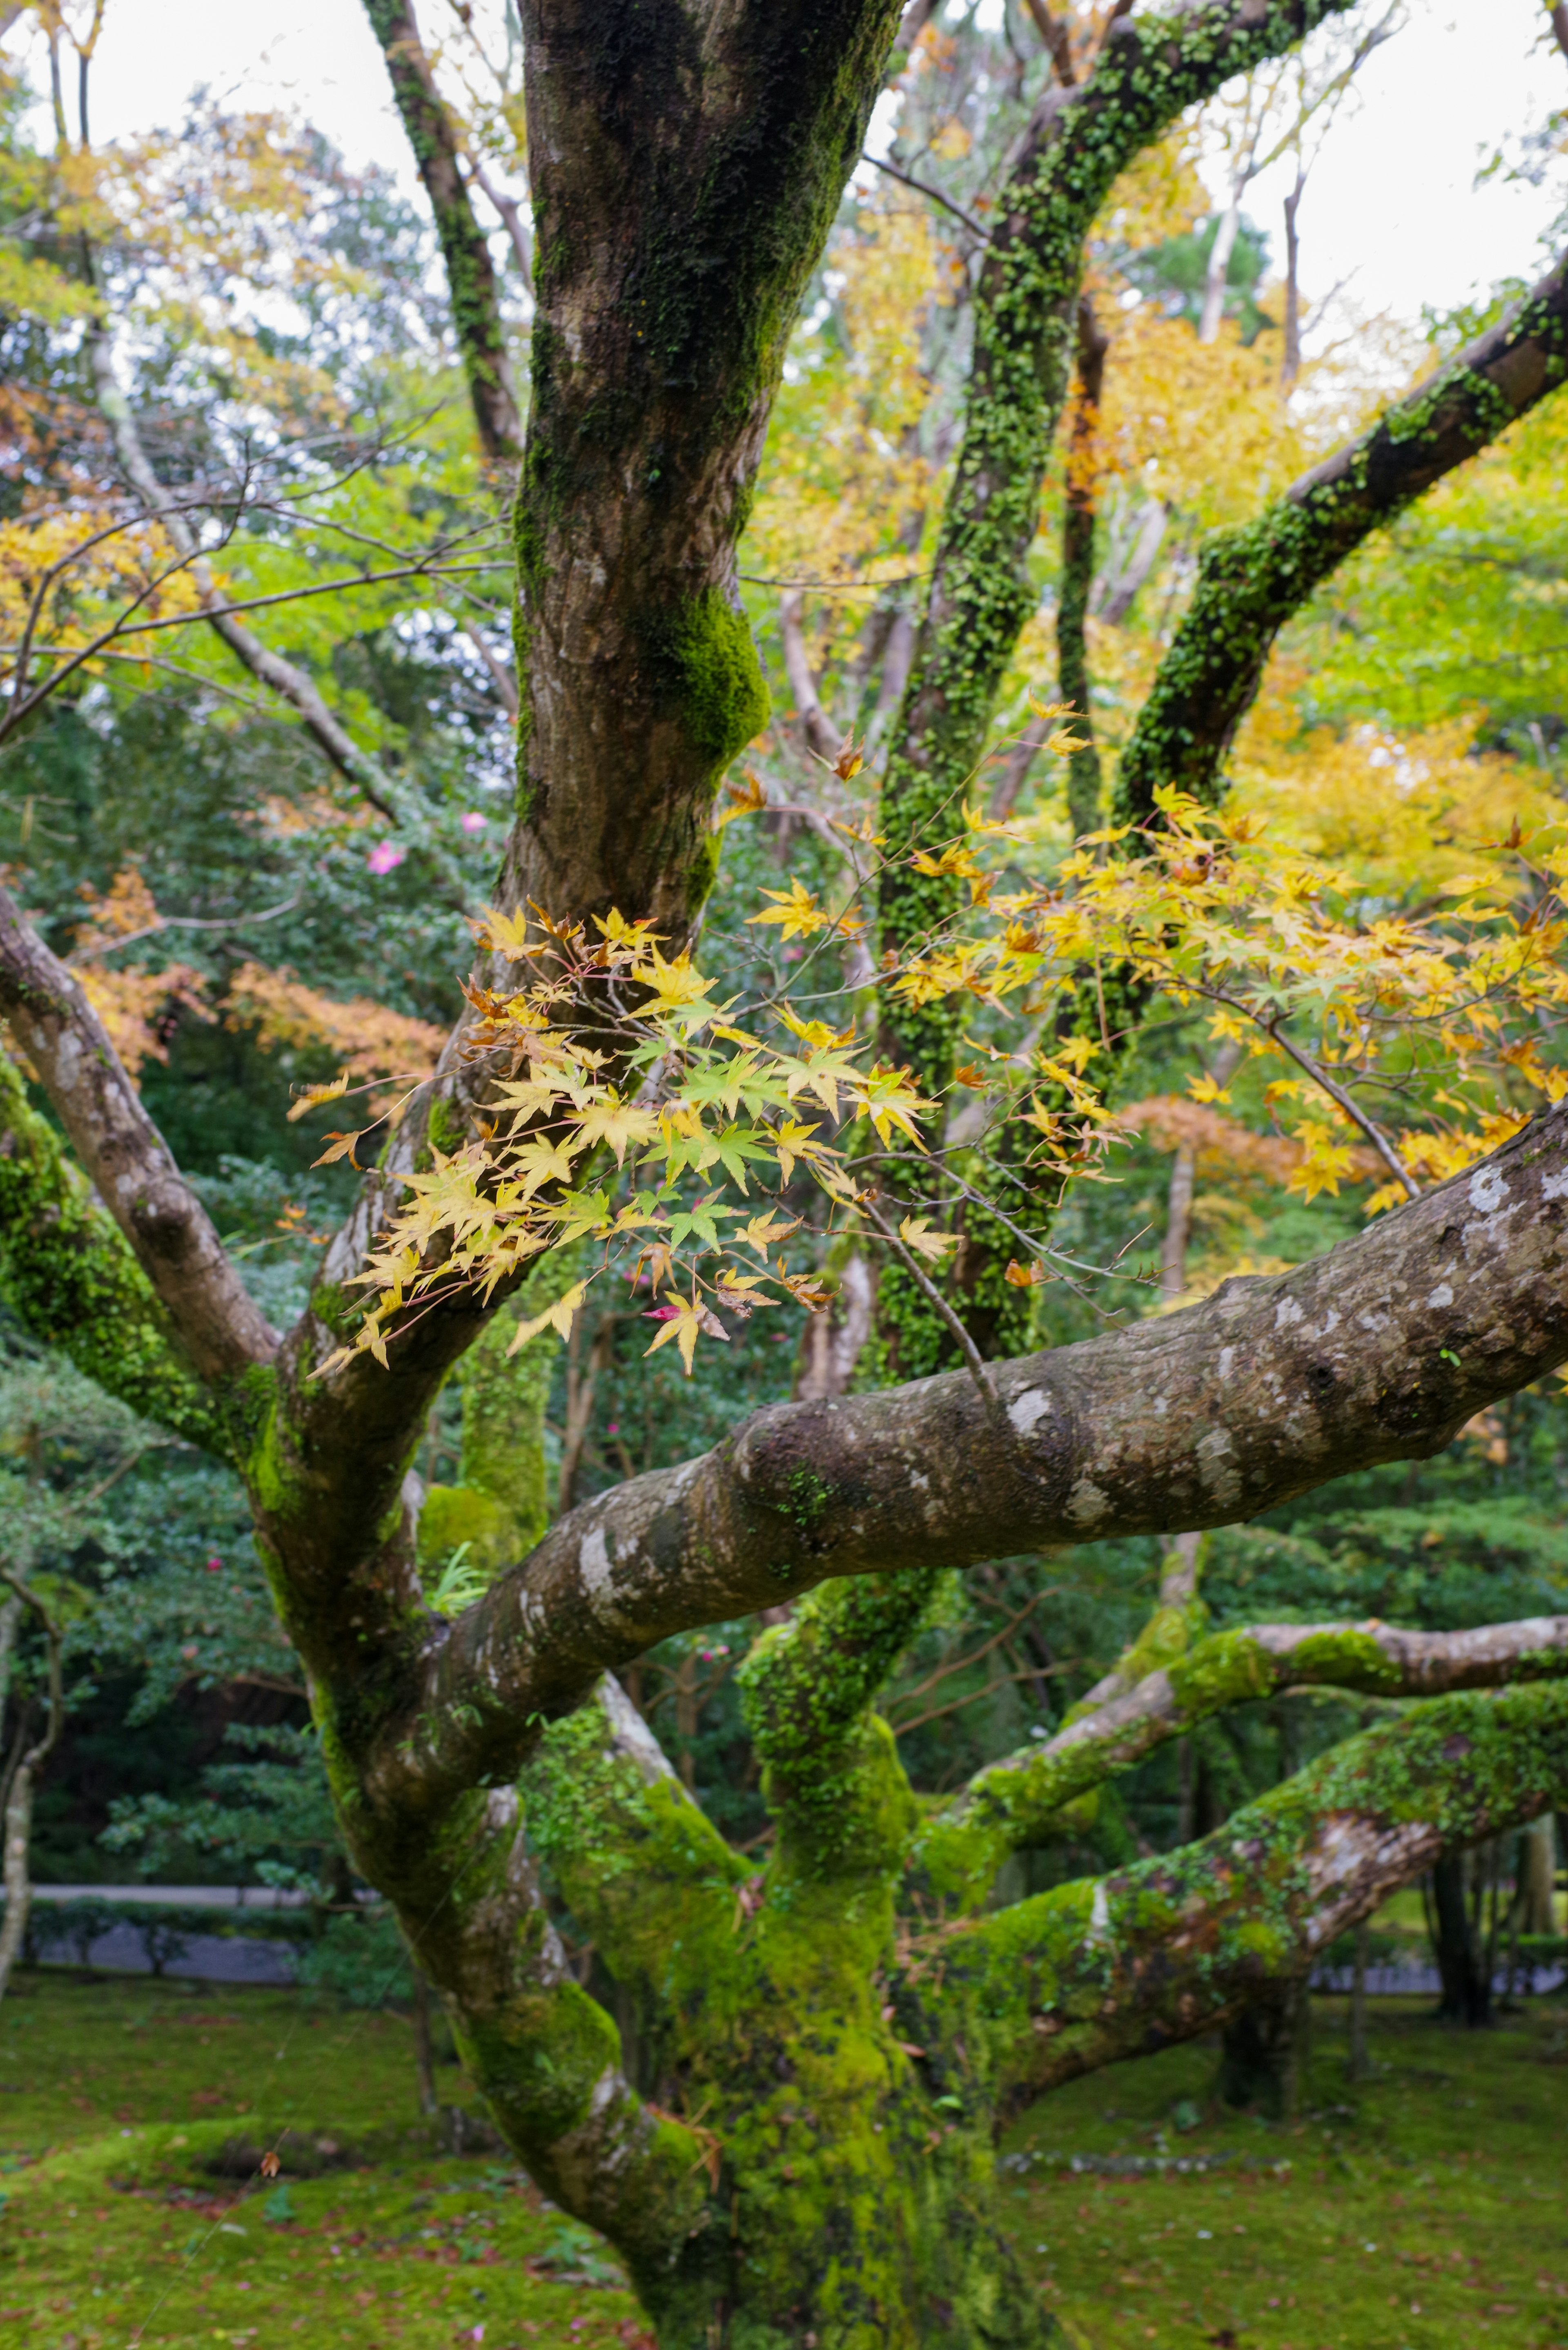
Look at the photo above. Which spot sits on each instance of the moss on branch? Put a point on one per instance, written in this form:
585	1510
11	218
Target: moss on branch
69	1275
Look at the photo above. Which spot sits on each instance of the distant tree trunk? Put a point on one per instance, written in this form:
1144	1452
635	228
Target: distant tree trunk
27	1763
1360	2064
1220	252
1178	1226
1538	1876
1265	2051
1291	364
1466	1991
424	2047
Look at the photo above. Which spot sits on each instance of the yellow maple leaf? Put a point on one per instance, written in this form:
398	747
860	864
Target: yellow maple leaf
916	1233
686	1325
744	799
795	911
557	1317
617	1123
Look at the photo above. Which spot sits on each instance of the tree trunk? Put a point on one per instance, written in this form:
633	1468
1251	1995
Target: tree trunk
1291	363
1466	1991
424	2047
1265	2052
1360	2064
17	1837
1220	253
1078	569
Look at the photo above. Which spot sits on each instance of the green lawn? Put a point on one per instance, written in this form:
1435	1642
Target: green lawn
1427	2209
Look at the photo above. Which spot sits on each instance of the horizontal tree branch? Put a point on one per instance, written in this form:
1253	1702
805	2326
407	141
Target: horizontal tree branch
126	1159
1379	1351
1252	578
1010	1804
1161	1951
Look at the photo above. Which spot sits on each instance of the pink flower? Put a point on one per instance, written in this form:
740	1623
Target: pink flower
473	821
614	1428
214	1566
661	1313
386	857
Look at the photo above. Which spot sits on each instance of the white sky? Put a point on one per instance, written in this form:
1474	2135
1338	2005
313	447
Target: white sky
1390	205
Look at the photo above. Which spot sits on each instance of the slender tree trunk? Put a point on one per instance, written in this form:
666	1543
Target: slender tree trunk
1078	569
1114	595
17	1835
1291	363
424	2047
1220	252
1178	1226
1360	2065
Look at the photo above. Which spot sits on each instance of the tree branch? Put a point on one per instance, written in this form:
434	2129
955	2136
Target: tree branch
470	272
1010	1804
1149	69
291	684
127	1157
1377	1352
68	1276
1252	578
1163	1951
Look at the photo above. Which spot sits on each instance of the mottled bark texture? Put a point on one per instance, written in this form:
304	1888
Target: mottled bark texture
470	272
1252	578
687	164
1377	1352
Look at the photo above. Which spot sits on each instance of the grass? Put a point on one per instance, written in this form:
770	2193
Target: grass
118	2099
1423	2210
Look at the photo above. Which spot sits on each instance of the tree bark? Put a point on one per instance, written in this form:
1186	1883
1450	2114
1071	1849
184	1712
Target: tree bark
470	272
1466	1995
1078	570
1148	70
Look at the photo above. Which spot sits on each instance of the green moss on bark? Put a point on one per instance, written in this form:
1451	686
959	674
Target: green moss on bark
69	1275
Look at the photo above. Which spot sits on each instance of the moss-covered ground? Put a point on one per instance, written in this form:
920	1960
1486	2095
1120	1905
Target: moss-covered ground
1426	2209
123	2103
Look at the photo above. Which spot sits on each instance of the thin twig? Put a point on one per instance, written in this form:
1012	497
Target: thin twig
1337	1093
971	1354
923	188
